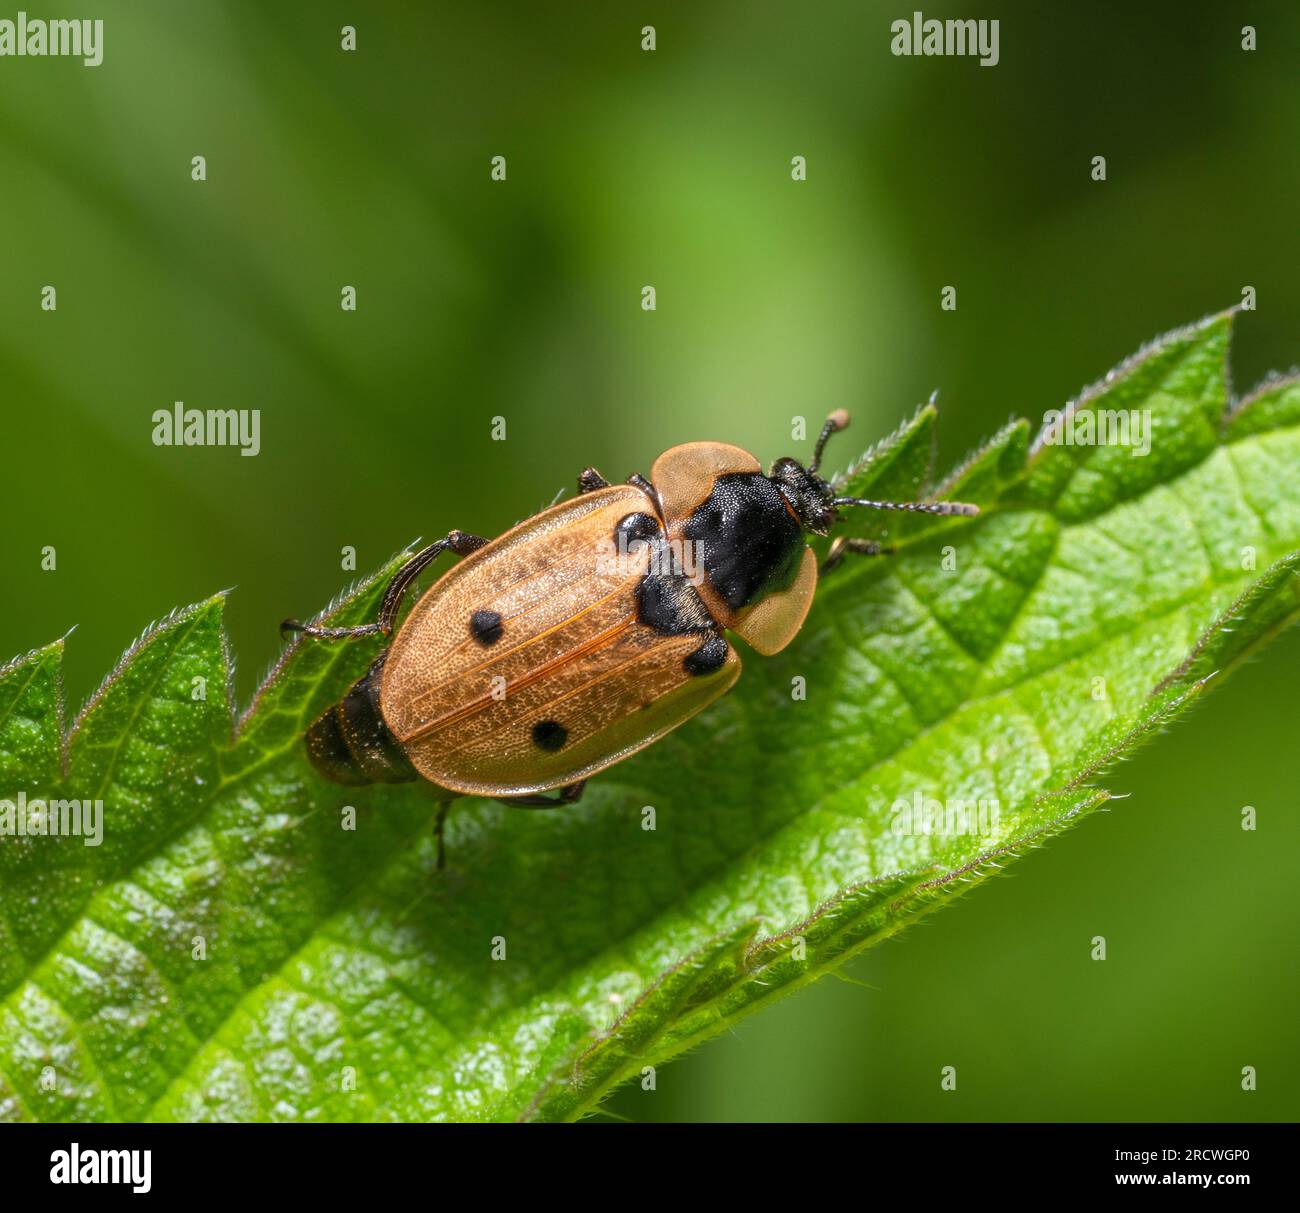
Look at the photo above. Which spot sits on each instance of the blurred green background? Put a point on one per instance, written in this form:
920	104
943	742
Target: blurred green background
522	299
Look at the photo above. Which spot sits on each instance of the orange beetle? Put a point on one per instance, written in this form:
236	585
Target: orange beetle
589	630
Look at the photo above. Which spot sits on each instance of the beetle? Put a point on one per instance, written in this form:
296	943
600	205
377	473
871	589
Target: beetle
589	630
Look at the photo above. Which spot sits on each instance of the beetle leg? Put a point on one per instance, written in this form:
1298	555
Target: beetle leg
569	794
307	629
589	480
860	547
457	541
648	489
439	826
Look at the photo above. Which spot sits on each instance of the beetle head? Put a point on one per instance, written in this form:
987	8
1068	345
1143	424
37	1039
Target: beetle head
807	493
813	499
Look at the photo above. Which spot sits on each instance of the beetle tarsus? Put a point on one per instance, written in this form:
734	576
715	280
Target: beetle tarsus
569	794
589	480
859	547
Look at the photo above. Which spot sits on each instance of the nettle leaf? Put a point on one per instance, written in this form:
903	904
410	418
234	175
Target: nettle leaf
233	950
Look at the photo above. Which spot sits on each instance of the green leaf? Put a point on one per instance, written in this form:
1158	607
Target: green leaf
232	951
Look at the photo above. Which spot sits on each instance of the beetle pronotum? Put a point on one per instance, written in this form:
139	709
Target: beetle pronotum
537	661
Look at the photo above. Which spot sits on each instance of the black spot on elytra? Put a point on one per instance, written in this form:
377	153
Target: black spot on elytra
549	735
710	657
486	627
635	527
669	603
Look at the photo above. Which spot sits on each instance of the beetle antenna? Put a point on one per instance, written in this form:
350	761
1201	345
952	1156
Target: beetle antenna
914	507
838	420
